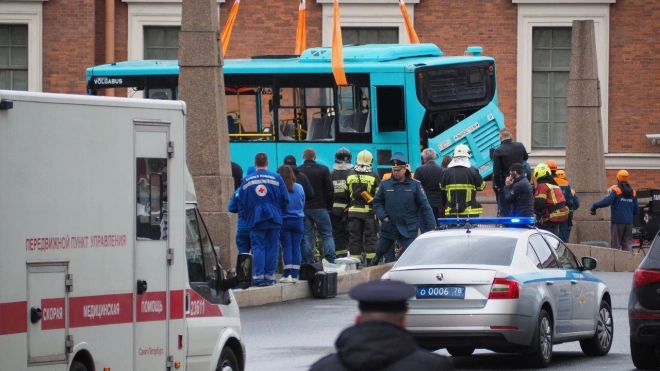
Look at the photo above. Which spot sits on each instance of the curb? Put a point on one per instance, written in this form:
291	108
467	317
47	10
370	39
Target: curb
609	260
284	292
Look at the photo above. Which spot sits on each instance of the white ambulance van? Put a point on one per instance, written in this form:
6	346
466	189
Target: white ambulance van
105	262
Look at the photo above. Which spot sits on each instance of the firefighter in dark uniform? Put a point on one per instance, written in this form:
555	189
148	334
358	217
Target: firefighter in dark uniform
399	204
379	340
549	202
361	186
461	181
338	216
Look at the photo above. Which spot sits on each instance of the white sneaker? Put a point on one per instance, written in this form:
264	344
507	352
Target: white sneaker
287	279
293	280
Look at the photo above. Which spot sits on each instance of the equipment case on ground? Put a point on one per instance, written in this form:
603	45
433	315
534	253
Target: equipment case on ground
325	285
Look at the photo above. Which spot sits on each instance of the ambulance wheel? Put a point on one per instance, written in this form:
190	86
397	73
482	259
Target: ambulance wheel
228	361
77	366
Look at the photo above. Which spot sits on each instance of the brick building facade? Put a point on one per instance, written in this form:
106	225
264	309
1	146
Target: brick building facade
66	36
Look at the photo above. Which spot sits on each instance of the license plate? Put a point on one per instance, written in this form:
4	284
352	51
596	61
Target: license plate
440	292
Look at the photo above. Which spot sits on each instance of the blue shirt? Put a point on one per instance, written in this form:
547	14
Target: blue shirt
296	206
235	208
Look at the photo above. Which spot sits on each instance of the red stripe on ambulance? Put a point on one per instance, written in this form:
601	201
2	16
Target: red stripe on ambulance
52	314
100	310
13	317
199	307
151	306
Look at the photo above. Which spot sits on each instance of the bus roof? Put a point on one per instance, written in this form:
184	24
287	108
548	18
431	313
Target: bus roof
357	59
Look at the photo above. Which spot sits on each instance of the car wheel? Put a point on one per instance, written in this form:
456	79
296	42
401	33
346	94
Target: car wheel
228	361
601	342
460	351
643	356
77	366
541	354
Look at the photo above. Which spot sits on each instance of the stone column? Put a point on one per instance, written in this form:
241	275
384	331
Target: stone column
585	156
201	86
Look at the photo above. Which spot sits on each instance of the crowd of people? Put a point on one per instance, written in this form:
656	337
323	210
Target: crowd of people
359	214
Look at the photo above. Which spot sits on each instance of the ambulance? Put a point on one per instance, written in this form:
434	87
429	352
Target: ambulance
105	262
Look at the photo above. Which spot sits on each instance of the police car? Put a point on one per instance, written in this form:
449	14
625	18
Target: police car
514	289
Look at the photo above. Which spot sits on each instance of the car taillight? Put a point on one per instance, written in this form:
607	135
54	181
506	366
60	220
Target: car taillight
504	288
644	277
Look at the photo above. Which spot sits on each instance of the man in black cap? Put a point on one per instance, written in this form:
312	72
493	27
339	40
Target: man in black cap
379	340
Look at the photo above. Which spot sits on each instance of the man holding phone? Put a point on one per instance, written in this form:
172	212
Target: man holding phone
519	193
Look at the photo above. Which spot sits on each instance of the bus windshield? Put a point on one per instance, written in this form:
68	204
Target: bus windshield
400	98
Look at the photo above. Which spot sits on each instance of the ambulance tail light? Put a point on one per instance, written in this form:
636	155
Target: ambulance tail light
180	341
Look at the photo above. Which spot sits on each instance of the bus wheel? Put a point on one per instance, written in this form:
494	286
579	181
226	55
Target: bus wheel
77	366
228	361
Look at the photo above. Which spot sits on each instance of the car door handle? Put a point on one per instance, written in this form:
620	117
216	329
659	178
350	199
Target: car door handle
549	283
574	282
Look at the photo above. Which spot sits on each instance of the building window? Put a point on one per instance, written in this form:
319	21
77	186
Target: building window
14	57
161	42
369	35
551	64
556	14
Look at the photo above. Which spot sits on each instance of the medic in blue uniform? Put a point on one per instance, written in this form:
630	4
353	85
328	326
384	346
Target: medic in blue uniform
263	199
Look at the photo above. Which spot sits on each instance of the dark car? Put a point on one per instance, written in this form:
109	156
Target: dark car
646	224
644	310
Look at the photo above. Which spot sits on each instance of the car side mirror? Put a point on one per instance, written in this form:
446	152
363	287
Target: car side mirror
244	270
589	263
243	278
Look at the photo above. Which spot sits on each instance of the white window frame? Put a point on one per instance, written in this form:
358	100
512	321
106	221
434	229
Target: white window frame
558	13
367	13
28	13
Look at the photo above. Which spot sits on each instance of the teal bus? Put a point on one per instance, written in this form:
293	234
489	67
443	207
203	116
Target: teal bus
400	98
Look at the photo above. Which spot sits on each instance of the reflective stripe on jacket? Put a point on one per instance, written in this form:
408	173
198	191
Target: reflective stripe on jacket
356	183
549	202
460	185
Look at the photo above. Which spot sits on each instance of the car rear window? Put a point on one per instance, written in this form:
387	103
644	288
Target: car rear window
467	249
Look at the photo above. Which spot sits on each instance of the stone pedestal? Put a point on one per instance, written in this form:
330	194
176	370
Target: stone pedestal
585	157
201	86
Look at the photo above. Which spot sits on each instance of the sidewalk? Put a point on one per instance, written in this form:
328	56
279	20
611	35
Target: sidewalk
609	260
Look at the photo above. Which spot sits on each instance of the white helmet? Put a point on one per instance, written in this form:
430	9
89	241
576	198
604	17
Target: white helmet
364	158
462	150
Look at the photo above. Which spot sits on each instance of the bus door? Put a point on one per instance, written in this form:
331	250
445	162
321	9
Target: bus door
151	247
389	118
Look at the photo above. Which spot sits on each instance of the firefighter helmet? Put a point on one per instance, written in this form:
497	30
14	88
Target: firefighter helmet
343	156
552	164
462	150
541	170
622	176
364	158
561	174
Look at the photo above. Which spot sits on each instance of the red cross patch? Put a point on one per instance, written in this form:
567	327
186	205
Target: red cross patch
261	190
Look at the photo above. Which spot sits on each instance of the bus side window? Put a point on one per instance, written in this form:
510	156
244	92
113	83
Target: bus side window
389	103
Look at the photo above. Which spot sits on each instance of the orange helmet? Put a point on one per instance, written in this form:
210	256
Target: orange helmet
622	176
552	164
561	174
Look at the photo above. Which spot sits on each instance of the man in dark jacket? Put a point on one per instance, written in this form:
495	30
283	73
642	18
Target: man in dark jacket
430	175
519	193
317	208
624	206
399	203
507	154
379	340
339	216
300	177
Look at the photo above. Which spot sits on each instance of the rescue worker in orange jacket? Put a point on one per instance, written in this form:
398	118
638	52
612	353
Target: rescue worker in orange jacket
624	206
549	202
565	186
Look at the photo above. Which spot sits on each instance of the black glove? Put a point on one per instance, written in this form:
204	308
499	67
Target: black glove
592	211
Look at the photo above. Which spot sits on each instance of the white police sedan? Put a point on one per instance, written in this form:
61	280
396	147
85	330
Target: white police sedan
514	289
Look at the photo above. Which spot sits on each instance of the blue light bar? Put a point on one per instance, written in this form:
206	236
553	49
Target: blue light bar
521	221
